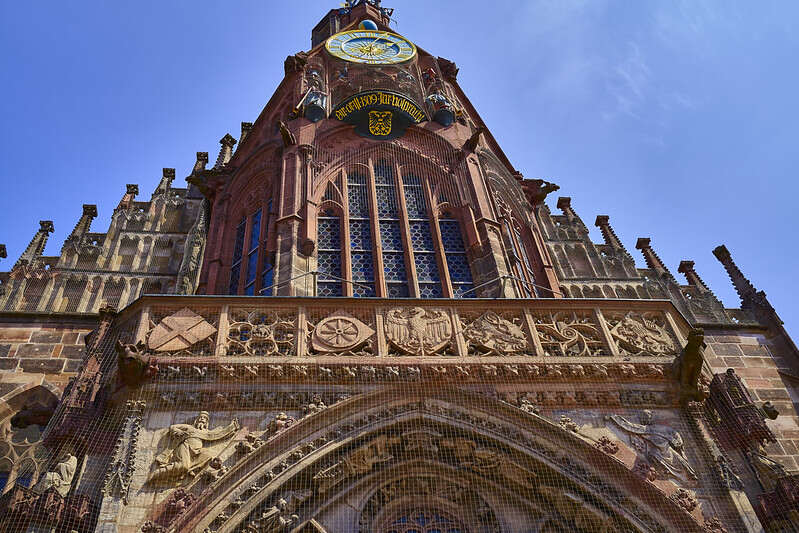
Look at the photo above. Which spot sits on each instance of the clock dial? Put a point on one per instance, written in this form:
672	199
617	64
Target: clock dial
370	47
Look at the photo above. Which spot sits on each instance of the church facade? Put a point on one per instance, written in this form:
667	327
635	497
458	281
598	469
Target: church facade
362	318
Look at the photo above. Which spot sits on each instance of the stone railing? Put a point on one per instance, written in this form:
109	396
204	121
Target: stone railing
236	328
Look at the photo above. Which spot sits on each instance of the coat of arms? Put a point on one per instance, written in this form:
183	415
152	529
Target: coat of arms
418	331
380	123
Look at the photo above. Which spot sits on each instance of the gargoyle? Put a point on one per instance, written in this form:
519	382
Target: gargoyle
134	364
688	368
536	190
295	63
471	144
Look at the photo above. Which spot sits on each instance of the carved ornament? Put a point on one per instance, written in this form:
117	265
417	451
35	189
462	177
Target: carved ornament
339	332
179	331
418	330
639	334
494	333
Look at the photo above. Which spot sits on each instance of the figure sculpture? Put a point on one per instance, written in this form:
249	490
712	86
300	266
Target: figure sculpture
661	445
60	477
184	454
688	368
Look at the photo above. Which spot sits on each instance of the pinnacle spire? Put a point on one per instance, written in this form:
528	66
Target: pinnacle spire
225	152
652	259
168	175
686	268
84	223
36	247
747	292
608	235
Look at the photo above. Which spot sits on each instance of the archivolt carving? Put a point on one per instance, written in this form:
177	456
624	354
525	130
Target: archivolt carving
642	334
488	446
261	333
569	333
421	489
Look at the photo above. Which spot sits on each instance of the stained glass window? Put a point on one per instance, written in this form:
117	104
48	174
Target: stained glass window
423	521
252	254
267	269
424	253
394	267
360	236
329	256
457	264
238	248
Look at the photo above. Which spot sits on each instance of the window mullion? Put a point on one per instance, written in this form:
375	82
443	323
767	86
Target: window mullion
441	257
413	282
377	245
346	260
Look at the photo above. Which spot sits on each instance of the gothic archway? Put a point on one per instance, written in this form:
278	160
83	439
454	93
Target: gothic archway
519	464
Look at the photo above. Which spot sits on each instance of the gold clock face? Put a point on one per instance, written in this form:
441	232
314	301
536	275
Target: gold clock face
370	47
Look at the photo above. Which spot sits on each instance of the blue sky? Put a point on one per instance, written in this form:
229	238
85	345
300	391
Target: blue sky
676	118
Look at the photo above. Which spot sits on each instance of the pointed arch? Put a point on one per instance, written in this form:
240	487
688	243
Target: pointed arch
351	449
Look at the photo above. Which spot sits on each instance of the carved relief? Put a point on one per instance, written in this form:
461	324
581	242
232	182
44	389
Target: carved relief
60	477
280	515
117	479
642	334
185	454
493	333
660	445
569	333
418	330
357	462
262	333
179	331
338	333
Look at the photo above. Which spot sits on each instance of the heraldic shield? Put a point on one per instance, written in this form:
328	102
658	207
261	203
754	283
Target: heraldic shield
380	123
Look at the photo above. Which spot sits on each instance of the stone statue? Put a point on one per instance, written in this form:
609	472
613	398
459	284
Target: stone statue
193	252
661	445
184	454
688	368
60	477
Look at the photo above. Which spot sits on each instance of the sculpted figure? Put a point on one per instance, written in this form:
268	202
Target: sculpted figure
688	367
661	445
60	477
184	454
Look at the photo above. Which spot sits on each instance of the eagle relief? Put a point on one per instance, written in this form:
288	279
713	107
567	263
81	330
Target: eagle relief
418	330
380	123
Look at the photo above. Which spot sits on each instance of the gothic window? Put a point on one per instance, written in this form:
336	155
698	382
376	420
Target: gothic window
267	270
363	272
238	247
391	223
457	265
516	250
423	521
390	232
329	256
252	254
424	252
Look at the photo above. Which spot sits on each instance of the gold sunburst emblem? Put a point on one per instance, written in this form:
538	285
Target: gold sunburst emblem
380	123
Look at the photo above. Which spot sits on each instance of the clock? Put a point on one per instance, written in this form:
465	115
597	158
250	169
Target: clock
370	47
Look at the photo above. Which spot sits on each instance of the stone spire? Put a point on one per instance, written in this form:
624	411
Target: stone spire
686	268
246	127
84	223
750	296
651	258
609	236
225	152
131	190
3	253
166	181
200	163
36	247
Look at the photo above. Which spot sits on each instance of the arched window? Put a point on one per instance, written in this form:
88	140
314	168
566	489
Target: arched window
363	271
424	252
388	213
267	269
457	264
392	234
238	248
329	255
516	250
423	521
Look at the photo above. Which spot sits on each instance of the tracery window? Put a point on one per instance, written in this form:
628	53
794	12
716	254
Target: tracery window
329	256
252	254
238	247
393	233
251	270
267	269
423	521
516	251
